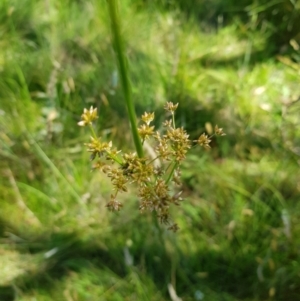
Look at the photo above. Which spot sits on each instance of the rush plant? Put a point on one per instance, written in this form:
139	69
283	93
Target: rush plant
155	175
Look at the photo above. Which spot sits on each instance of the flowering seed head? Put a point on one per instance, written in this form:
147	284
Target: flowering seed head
145	131
148	117
96	147
167	123
219	131
204	141
170	107
88	116
114	205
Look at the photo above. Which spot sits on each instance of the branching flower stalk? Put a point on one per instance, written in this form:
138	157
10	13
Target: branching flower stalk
155	178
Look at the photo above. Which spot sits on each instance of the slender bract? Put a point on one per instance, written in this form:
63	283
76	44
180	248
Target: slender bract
123	70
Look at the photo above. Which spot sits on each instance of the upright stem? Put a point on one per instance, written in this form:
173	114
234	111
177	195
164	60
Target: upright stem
124	76
171	173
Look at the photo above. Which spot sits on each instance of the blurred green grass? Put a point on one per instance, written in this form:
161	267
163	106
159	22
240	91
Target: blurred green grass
239	237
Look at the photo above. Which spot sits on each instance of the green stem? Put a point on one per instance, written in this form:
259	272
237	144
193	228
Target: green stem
171	172
116	159
153	160
92	131
173	118
124	76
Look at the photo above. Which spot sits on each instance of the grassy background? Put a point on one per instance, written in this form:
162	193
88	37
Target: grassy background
232	65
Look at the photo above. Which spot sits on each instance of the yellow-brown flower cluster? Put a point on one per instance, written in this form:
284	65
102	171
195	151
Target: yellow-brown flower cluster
179	142
88	116
204	141
171	107
219	131
113	204
145	130
154	181
137	168
148	117
96	147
